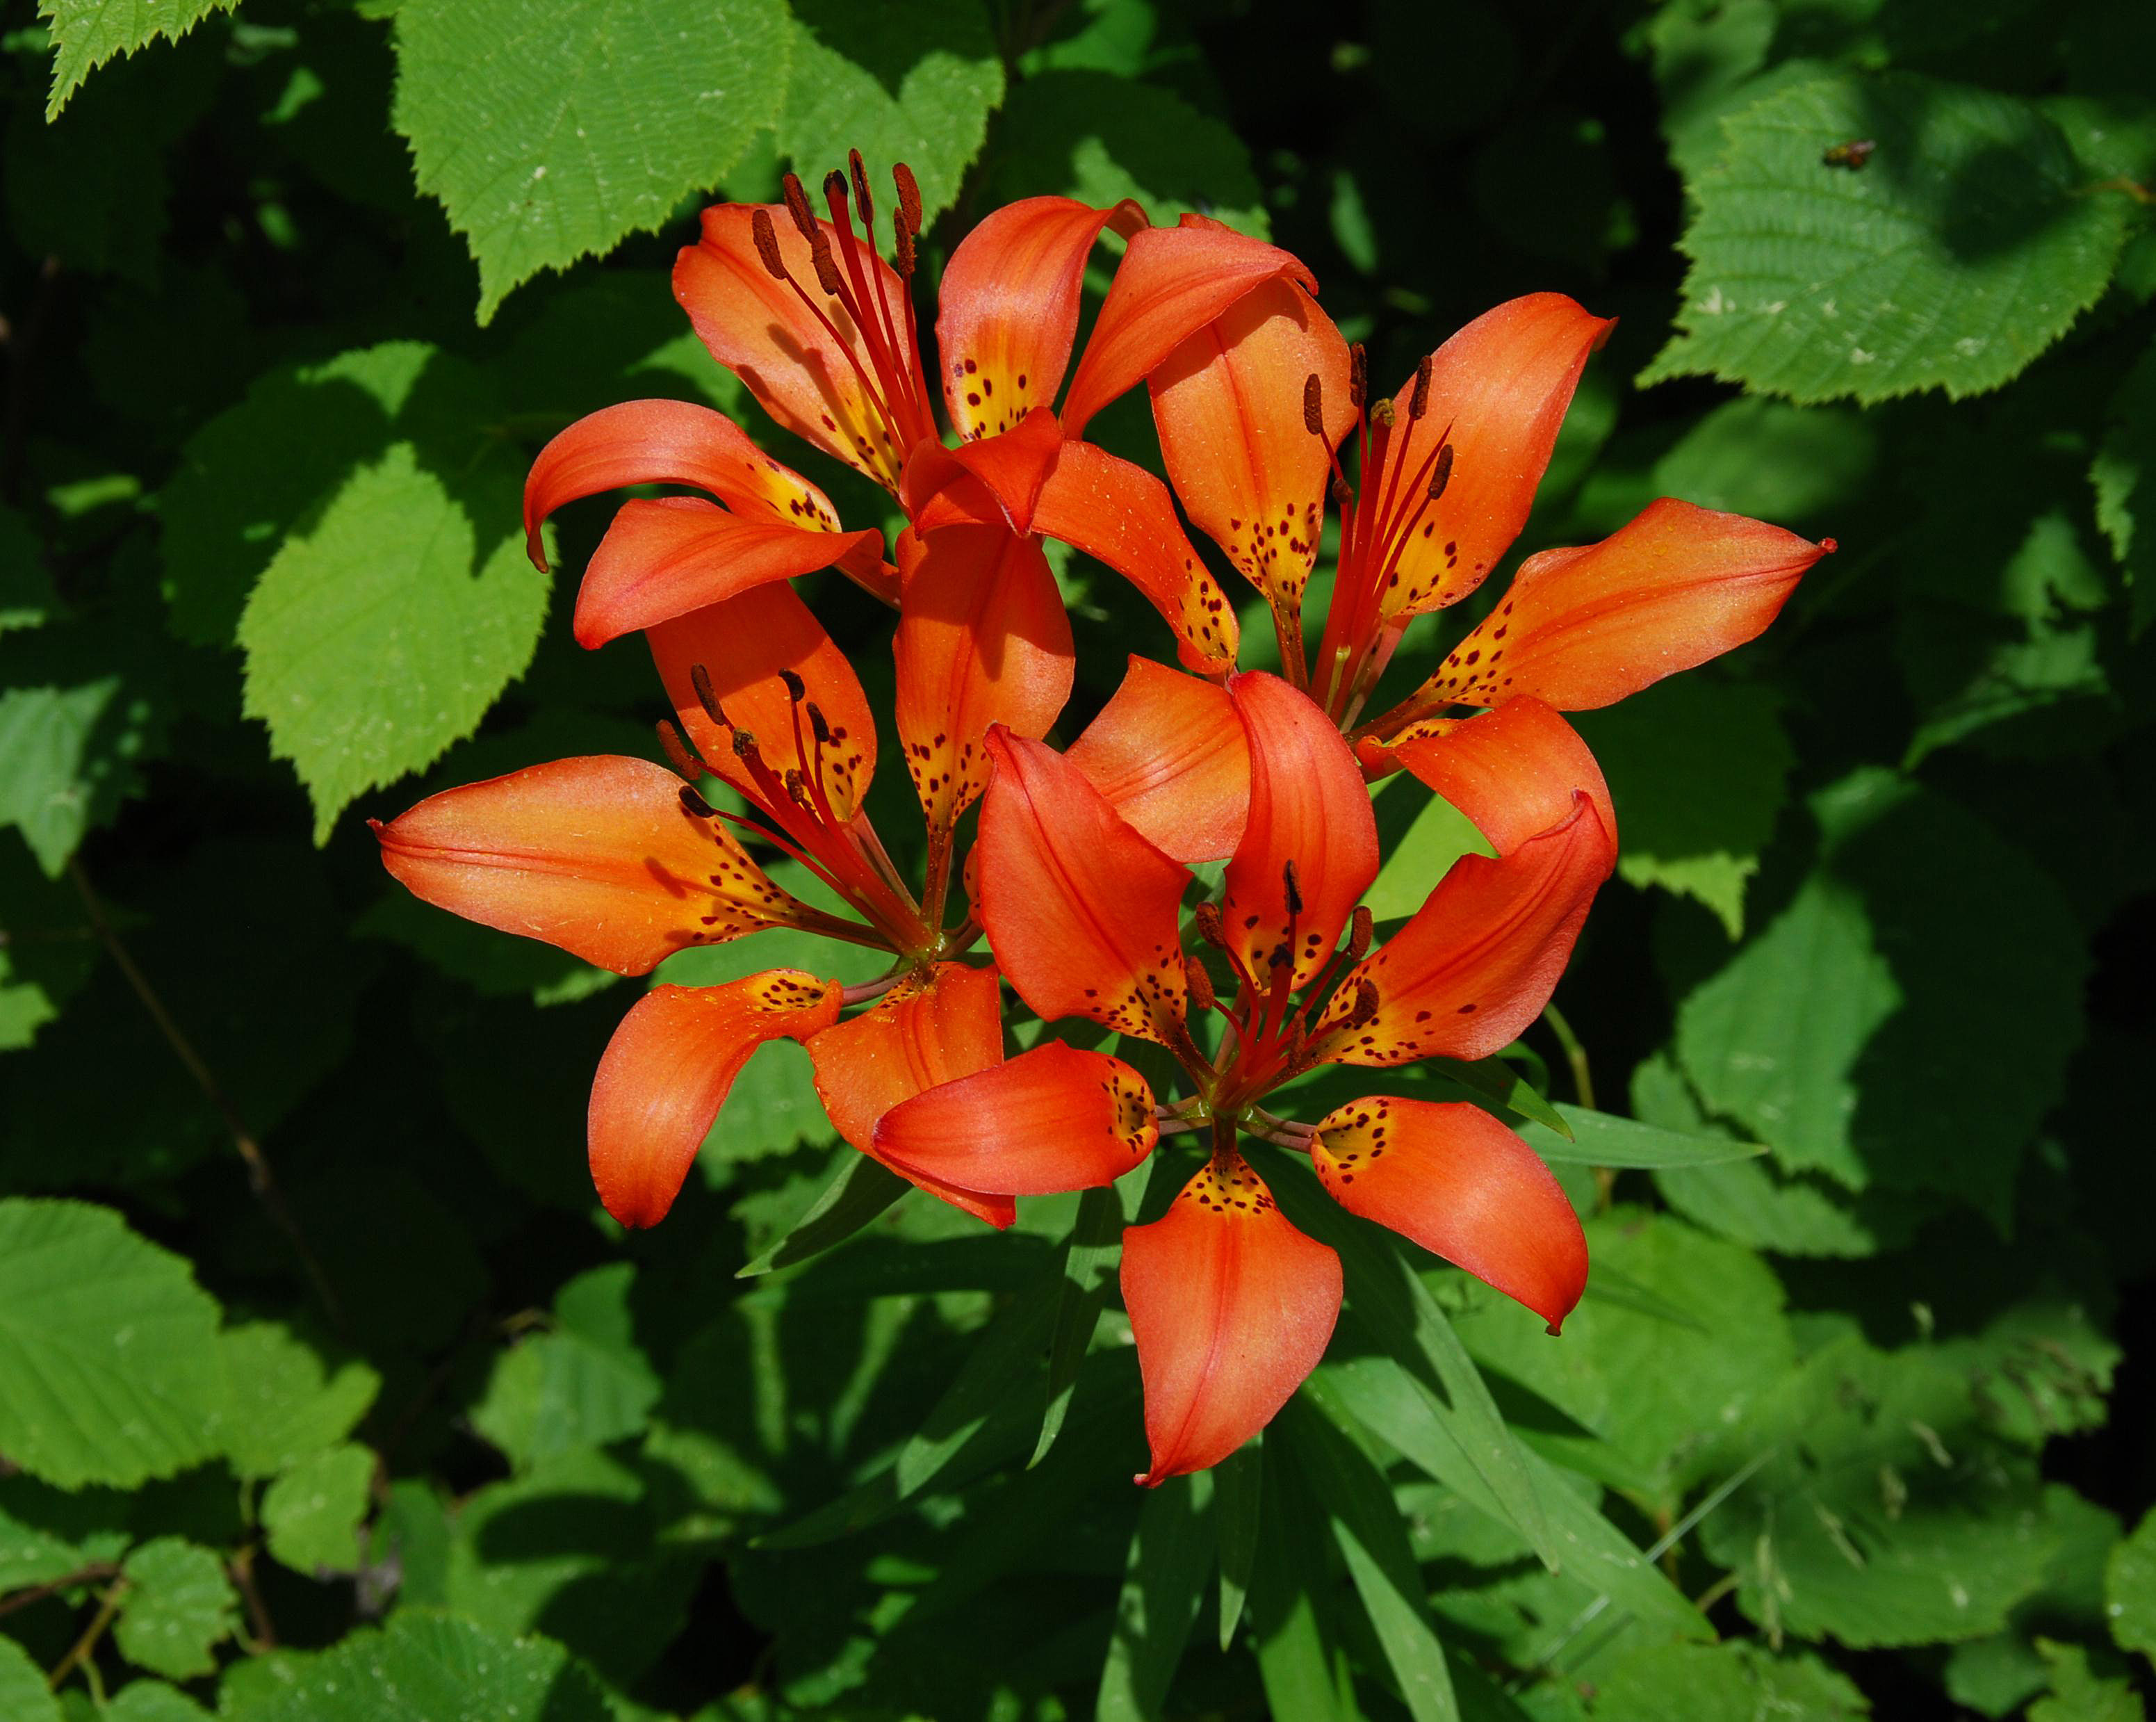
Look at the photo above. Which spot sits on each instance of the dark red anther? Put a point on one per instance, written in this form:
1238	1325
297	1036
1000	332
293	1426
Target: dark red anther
1199	983
1381	414
1358	376
679	753
1366	1004
861	189
818	727
1341	496
1206	917
902	257
908	195
707	697
1442	476
1294	885
1418	402
1360	931
796	689
797	786
797	206
1313	405
694	804
767	245
744	744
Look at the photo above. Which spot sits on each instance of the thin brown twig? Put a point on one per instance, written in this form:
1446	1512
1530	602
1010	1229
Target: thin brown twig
80	1650
37	1593
241	1568
259	1177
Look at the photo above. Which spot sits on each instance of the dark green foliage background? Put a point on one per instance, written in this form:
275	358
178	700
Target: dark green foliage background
325	1389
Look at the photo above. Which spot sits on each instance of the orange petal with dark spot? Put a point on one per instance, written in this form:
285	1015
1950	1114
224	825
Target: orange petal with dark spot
917	1035
1464	1187
597	856
983	639
662	558
1310	811
1231	1306
1053	1119
1229	404
1008	308
1479	959
1172	282
1121	515
1081	911
1581	629
1513	771
1168	753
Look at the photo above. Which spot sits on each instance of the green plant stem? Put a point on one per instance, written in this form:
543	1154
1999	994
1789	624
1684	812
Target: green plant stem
84	1646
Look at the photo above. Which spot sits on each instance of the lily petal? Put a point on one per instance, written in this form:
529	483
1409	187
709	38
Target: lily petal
1172	282
663	558
916	1036
1053	1119
1582	629
767	334
1498	389
1479	959
667	443
668	1069
746	646
1229	404
1121	515
1464	1187
1514	772
1079	909
1168	753
597	856
1310	813
983	639
1231	1306
1008	308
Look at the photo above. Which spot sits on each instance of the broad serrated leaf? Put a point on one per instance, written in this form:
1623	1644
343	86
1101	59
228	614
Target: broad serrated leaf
288	1401
69	757
1722	1683
1601	1138
552	129
178	1607
2080	1693
899	80
85	33
382	633
584	1383
1697	767
46	1534
2129	1589
1169	1557
108	1347
311	1514
1966	245
1901	1071
22	1694
423	1667
152	1701
1099	138
2124	476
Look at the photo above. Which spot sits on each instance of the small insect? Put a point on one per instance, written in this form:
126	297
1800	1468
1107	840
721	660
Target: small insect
1852	155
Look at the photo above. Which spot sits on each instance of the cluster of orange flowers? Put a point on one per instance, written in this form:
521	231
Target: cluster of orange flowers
1078	875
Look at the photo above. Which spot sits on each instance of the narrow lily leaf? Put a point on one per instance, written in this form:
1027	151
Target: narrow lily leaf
978	1414
1171	1555
1373	1537
1239	1494
1393	1305
1096	1242
1400	1410
1295	1661
1492	1079
860	1191
1601	1138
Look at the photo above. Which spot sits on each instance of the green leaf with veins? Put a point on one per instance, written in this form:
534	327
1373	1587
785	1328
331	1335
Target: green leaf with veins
178	1605
86	33
1966	245
551	130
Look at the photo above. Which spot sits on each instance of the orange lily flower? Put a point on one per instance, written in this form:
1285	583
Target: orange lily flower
1255	413
624	863
823	330
1232	1306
